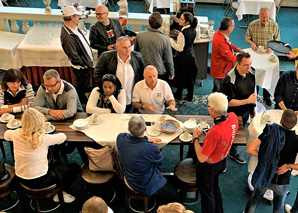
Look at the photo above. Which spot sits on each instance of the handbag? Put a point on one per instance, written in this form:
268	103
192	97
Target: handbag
100	159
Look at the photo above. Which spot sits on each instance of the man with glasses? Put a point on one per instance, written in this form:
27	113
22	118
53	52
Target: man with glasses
103	34
78	51
56	98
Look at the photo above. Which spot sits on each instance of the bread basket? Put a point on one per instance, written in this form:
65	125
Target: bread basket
169	126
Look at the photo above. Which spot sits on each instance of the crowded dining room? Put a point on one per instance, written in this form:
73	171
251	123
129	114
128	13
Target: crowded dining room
168	106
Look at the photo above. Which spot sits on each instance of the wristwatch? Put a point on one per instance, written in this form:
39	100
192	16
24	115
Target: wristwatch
296	57
196	138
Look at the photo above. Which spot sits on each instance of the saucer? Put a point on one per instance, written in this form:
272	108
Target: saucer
53	128
203	36
96	123
13	127
9	118
199	126
185	140
273	60
261	51
153	134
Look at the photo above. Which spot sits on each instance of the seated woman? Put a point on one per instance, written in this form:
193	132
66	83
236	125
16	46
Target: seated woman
109	98
15	92
30	152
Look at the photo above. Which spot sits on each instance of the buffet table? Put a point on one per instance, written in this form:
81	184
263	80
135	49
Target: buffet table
252	7
86	3
8	45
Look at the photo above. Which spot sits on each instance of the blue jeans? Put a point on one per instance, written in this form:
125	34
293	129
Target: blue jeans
217	85
207	182
280	192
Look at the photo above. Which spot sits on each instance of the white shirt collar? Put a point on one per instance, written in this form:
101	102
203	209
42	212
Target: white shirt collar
185	27
119	59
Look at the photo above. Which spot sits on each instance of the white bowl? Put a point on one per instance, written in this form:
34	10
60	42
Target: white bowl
80	124
189	126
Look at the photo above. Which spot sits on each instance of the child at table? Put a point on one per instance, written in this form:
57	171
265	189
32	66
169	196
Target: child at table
15	92
110	97
31	146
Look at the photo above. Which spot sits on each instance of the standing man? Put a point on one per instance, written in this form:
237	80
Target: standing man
141	159
258	33
150	94
276	147
212	155
103	34
78	51
56	98
222	58
156	48
239	86
127	65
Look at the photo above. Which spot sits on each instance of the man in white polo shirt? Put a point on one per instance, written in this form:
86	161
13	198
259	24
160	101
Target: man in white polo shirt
150	94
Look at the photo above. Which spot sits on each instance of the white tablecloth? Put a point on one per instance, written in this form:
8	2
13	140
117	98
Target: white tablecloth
8	45
267	72
252	7
86	3
256	128
44	55
106	132
158	4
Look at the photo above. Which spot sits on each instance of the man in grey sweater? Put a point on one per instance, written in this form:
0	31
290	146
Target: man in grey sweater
56	98
156	48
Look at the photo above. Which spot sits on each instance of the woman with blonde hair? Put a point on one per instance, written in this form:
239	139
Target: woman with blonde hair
30	152
173	208
96	205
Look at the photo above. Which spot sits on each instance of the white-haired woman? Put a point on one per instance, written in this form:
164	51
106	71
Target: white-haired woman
30	152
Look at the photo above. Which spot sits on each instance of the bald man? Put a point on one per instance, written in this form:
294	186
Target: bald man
150	94
103	34
258	33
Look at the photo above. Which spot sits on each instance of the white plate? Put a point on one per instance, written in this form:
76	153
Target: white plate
199	126
203	36
81	124
153	134
13	127
187	140
9	118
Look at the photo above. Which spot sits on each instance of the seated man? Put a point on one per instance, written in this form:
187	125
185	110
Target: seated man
127	65
150	94
239	85
56	98
275	147
212	155
141	160
286	91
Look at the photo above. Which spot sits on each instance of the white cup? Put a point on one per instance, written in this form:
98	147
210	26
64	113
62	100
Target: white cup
14	123
203	124
272	58
5	116
47	126
186	135
95	118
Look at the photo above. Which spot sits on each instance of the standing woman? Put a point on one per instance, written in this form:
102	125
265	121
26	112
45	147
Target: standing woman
31	146
185	65
109	98
15	92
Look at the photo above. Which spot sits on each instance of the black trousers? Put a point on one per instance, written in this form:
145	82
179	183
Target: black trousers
207	181
166	194
82	82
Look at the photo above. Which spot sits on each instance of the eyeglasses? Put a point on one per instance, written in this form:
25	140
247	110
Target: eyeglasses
100	14
50	86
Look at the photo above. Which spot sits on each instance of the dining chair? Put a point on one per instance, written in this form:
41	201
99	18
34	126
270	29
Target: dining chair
232	6
185	173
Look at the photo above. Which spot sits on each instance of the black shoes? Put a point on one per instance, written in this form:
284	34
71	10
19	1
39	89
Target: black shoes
238	158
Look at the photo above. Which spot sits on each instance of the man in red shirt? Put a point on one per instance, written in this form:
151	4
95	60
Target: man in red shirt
212	155
222	57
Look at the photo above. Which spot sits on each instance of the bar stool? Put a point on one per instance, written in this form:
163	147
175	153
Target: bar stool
130	193
43	193
185	172
6	186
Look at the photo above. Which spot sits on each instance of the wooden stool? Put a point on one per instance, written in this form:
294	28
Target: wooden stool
44	193
6	186
97	178
185	172
130	193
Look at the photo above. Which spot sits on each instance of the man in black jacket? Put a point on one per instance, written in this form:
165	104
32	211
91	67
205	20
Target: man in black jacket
77	49
103	34
127	65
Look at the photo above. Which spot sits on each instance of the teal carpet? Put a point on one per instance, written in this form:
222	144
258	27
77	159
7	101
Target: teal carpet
233	183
